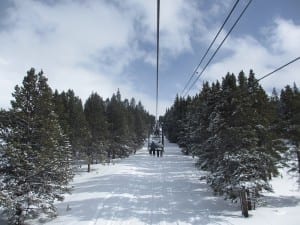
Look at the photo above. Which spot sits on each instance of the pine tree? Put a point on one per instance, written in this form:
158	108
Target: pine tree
72	119
94	110
36	152
118	126
290	116
174	120
246	159
228	126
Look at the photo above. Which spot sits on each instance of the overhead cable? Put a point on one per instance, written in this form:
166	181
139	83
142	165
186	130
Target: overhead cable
220	45
157	57
279	68
211	44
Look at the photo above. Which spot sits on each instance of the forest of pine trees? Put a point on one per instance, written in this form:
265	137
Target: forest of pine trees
236	130
238	134
44	134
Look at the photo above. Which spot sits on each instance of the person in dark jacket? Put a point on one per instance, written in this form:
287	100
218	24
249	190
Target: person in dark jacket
152	148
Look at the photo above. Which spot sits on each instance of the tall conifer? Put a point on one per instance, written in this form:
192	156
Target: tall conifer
36	150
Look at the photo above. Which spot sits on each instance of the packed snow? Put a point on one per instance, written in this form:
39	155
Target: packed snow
145	189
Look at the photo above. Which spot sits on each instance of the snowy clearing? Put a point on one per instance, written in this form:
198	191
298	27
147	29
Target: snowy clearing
144	189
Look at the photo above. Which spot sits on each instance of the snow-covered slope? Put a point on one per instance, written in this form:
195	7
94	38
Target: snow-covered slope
143	189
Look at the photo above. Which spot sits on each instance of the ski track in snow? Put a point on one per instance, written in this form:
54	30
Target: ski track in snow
145	189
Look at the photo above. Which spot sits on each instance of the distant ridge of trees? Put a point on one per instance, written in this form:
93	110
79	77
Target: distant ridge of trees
237	133
44	133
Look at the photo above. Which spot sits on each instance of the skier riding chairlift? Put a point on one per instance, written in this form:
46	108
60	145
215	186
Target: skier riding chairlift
153	147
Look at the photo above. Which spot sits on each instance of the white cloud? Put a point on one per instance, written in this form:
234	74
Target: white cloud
218	7
177	23
248	52
285	37
87	45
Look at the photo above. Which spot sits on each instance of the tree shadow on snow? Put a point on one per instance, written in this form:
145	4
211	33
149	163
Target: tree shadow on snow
150	190
2	221
281	201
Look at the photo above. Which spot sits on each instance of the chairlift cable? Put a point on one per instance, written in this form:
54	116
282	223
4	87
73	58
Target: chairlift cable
220	45
157	58
211	44
279	68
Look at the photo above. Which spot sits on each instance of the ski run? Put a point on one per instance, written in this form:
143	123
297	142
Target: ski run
145	189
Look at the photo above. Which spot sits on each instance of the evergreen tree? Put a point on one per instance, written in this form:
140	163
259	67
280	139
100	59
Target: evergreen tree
94	110
118	126
72	119
36	152
228	126
142	122
274	113
174	119
290	116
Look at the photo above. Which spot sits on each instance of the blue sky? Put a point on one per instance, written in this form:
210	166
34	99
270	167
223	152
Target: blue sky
109	44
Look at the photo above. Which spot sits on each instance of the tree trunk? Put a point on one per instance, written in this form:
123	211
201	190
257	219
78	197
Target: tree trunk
108	156
89	164
244	204
298	156
19	215
249	203
162	137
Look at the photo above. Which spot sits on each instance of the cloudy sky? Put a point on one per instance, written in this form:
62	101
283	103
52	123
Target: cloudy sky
103	45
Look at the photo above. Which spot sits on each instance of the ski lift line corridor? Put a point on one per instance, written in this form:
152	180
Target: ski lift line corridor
142	190
156	135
